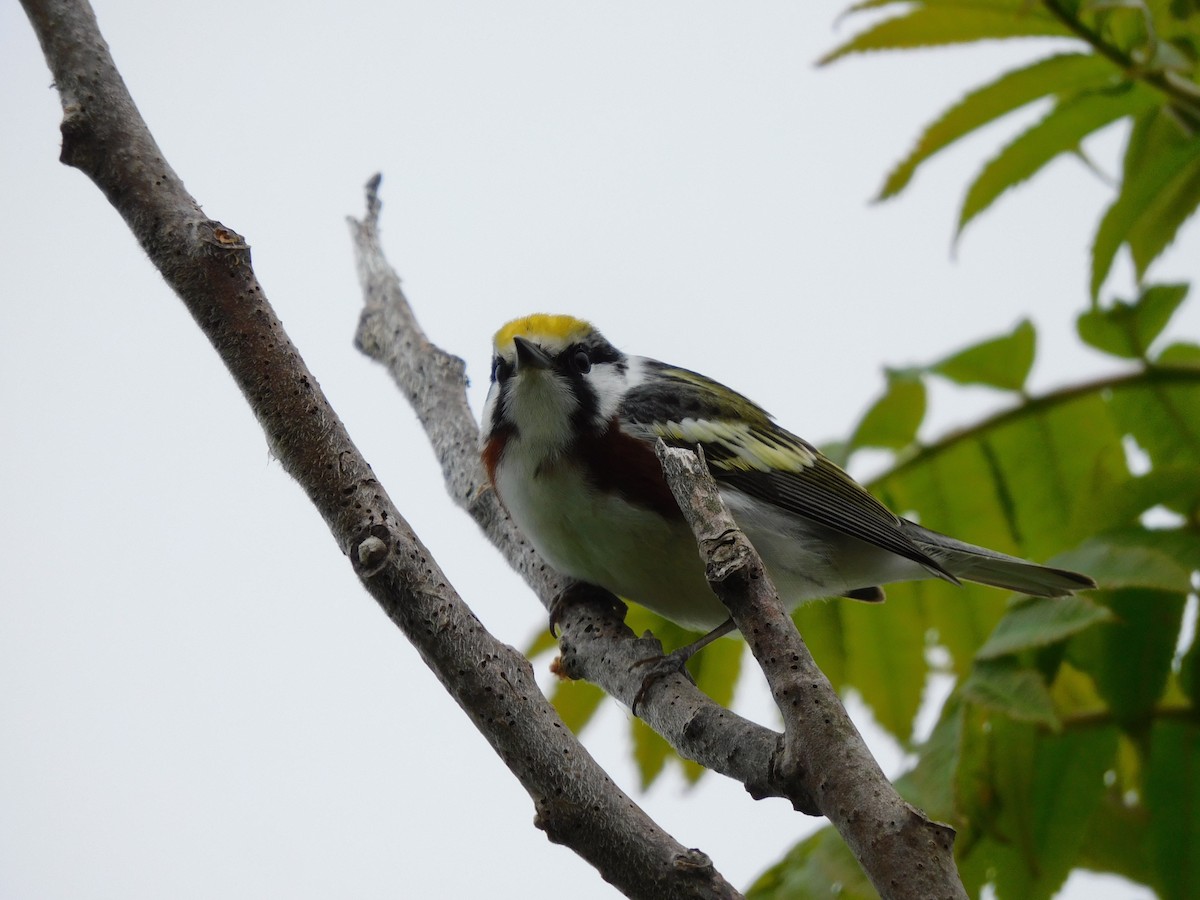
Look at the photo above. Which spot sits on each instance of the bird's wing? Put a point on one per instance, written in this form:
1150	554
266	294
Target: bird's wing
747	451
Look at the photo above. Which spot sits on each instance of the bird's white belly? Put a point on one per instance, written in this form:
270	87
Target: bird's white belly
603	539
637	554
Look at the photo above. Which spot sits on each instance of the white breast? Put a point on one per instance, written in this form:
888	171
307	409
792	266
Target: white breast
605	540
638	555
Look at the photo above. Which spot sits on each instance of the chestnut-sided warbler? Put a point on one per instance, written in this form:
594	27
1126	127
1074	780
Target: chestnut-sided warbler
569	429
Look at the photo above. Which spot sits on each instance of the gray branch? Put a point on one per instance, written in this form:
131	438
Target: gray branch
208	266
906	855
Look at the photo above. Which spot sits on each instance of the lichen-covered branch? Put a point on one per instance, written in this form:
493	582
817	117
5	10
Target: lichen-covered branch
208	266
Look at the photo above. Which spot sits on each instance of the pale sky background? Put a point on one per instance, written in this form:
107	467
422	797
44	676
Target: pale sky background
196	697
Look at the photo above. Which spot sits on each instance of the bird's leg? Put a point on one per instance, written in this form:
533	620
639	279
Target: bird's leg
676	661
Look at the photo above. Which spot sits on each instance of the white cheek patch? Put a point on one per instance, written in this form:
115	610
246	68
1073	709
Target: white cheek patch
635	372
610	385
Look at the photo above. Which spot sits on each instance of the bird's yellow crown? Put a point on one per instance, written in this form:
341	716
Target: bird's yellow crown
543	328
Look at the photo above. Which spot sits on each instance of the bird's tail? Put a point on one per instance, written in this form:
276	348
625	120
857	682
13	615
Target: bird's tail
971	563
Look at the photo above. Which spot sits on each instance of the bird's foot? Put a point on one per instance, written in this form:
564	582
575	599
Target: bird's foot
675	662
659	667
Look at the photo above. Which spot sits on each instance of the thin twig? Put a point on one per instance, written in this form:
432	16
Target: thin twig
906	855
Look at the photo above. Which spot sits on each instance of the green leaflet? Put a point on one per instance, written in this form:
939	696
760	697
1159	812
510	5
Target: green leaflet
1041	621
1032	794
1159	171
1117	840
1173	799
885	661
1130	657
650	752
820	866
1132	558
1164	418
894	418
542	642
1128	329
1003	362
716	671
1180	354
1062	74
576	702
820	625
1154	231
1017	692
929	25
1061	131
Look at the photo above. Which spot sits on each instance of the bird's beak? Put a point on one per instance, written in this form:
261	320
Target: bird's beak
531	356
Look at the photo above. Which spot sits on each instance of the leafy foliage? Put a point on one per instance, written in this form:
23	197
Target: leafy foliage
1072	736
1138	62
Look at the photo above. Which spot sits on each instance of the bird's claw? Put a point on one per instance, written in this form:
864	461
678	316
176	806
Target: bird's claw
673	663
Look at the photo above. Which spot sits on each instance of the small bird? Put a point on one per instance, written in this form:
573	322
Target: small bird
569	430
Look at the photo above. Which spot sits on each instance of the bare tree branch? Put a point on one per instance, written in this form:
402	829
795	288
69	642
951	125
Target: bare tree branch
208	266
906	856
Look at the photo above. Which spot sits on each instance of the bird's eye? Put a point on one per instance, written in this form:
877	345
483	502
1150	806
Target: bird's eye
501	369
581	362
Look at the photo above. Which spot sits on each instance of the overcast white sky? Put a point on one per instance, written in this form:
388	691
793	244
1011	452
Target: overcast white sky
196	698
